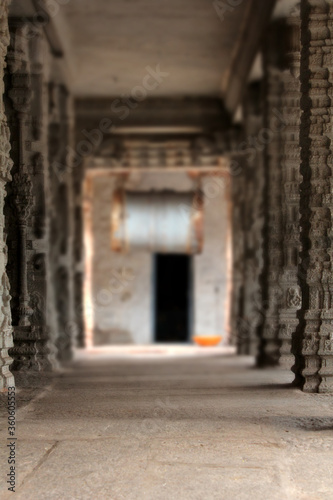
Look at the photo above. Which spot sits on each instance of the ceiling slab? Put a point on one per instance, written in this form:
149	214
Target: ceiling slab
201	48
115	41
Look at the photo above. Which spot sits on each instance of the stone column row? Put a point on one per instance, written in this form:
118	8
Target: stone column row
253	172
6	338
272	236
238	329
315	360
26	203
273	230
299	161
62	234
290	170
39	198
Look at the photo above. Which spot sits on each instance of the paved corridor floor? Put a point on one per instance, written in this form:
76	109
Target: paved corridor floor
195	427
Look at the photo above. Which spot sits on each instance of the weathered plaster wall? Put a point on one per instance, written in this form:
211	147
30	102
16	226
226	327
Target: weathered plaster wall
122	288
211	268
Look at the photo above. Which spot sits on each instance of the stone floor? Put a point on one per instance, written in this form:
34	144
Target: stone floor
176	427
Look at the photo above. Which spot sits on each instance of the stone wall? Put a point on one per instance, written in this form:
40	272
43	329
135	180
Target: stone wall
122	289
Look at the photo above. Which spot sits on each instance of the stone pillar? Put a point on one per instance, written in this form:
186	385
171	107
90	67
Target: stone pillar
254	220
62	220
78	245
326	331
42	289
26	200
66	313
239	330
6	338
20	94
269	348
316	196
79	268
72	326
291	292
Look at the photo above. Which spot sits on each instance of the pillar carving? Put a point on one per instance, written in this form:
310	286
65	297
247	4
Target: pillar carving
62	220
254	220
316	196
79	266
78	258
239	330
291	292
326	335
26	205
6	337
22	198
269	348
20	94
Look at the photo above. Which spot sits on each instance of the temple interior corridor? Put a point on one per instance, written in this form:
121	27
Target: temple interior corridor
166	249
188	426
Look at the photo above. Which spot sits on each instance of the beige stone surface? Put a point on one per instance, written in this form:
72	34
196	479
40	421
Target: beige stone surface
207	426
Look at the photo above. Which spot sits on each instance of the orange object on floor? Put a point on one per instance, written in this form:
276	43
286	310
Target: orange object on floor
207	341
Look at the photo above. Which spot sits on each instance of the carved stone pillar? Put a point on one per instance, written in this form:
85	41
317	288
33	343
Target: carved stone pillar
269	348
20	94
254	220
316	196
27	203
6	338
78	257
22	198
41	287
326	331
291	292
62	220
72	331
239	330
78	278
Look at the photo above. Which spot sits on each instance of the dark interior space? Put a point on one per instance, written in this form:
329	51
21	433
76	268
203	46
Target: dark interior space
172	298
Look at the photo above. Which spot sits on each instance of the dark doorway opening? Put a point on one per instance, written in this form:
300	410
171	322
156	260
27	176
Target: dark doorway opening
172	298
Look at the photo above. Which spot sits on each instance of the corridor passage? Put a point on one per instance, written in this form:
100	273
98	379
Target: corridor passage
152	427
